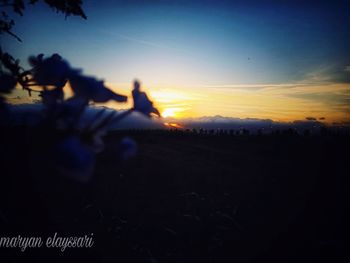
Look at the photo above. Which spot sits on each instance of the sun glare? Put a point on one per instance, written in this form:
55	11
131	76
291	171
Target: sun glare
169	112
171	102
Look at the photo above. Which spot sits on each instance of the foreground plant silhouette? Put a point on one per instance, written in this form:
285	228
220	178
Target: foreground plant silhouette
78	142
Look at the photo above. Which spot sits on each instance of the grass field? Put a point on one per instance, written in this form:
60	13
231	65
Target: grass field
186	198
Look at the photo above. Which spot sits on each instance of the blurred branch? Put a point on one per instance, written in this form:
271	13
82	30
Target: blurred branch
11	34
67	7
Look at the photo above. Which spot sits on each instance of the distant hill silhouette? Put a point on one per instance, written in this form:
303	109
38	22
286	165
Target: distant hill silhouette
29	114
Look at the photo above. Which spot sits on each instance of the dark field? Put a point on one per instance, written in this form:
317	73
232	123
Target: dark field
185	198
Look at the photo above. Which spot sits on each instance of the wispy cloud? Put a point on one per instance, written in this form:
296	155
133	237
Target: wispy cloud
140	41
252	86
338	73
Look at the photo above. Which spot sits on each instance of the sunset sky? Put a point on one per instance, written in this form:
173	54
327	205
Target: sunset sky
257	59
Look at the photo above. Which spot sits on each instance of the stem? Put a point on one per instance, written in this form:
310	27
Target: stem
114	119
122	115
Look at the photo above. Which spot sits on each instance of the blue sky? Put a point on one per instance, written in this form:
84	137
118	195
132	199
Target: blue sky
185	46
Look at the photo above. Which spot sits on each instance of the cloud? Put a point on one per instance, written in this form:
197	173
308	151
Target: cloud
140	41
329	73
253	87
311	118
336	99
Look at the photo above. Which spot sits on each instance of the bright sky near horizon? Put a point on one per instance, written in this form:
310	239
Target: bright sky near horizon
258	59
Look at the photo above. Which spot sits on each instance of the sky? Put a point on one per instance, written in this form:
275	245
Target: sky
279	60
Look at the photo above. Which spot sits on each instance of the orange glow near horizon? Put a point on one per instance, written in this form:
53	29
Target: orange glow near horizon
276	102
173	125
325	102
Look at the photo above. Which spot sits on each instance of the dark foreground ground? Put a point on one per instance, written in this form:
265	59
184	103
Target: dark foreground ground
185	198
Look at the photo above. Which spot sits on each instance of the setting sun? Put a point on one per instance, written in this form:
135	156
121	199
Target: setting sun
170	112
172	102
